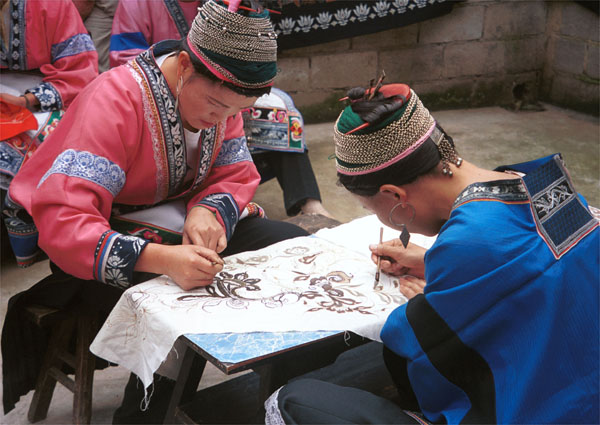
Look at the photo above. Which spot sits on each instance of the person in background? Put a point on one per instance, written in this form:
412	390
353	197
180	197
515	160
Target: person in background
275	127
148	174
502	321
138	24
275	133
97	17
46	59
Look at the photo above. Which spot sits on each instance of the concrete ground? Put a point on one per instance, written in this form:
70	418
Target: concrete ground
487	137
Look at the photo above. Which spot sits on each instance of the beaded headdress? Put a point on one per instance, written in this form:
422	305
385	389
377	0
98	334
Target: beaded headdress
363	147
236	48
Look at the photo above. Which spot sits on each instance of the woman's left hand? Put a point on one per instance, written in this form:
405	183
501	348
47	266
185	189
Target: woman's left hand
411	286
202	228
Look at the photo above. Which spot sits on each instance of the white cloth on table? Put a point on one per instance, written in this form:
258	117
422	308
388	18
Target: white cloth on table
302	284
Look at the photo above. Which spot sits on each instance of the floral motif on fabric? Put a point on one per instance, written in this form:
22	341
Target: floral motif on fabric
358	13
86	165
238	286
227	208
115	258
48	97
233	151
178	17
72	46
13	55
154	127
502	190
168	117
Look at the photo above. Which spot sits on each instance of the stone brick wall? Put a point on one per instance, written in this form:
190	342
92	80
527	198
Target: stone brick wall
485	52
571	69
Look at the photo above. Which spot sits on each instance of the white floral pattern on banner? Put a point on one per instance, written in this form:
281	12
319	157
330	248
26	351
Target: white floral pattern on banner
360	13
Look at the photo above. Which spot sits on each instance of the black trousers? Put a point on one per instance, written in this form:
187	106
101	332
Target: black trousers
366	385
311	401
294	174
24	343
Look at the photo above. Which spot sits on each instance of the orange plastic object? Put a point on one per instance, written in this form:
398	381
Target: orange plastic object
15	120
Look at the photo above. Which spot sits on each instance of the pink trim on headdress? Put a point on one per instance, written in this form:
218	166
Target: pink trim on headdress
214	71
397	158
233	5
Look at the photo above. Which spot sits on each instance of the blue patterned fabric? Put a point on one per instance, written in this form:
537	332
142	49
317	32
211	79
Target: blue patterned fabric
48	96
74	45
232	151
22	233
10	162
507	332
227	207
94	168
115	258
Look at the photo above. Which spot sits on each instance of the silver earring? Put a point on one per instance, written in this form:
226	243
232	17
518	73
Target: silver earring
404	233
179	85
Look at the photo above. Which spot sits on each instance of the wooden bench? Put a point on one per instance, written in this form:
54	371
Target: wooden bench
69	328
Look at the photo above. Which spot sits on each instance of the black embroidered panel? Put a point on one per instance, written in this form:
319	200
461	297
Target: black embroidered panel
307	22
170	121
561	217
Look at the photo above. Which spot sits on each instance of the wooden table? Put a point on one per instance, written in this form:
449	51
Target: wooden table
275	357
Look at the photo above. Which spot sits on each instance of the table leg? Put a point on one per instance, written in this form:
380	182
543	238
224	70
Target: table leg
186	385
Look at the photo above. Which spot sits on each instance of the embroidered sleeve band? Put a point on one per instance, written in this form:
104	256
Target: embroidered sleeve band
227	208
115	258
88	166
48	97
72	46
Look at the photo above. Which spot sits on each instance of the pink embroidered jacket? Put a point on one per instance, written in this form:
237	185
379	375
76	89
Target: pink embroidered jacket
122	142
49	35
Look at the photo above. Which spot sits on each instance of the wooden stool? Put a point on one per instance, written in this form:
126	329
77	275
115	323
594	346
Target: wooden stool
64	326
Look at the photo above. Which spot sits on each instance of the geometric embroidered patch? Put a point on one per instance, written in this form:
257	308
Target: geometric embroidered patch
561	218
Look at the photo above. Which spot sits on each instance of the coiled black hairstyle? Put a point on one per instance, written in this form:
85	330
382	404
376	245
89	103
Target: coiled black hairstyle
375	109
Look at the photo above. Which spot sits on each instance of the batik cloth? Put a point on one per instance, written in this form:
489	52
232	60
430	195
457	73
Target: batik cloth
131	155
138	24
507	330
274	124
303	23
301	284
49	36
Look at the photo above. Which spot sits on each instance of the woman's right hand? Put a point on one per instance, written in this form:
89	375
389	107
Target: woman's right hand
190	266
397	260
